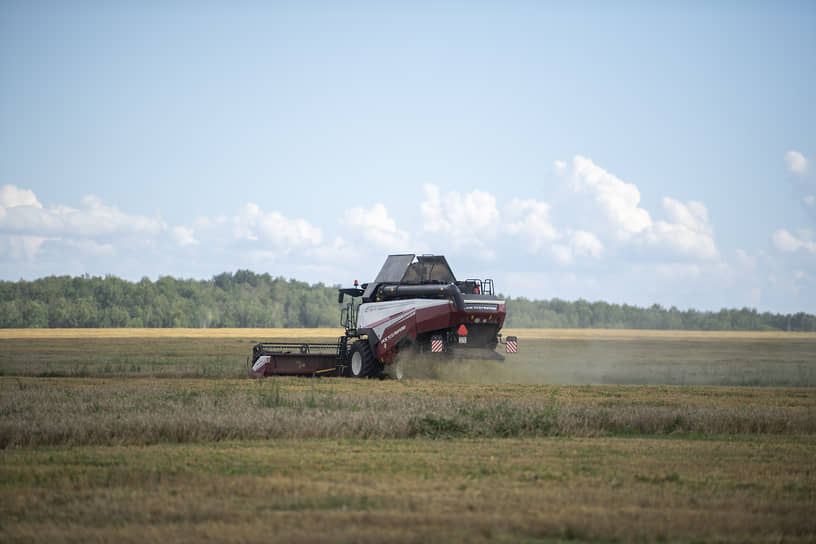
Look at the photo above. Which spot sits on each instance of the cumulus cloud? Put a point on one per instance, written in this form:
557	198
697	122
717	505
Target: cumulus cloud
467	219
585	243
375	226
254	224
99	230
184	236
796	162
21	213
475	217
12	196
618	201
577	243
686	231
786	242
692	215
530	220
20	248
88	236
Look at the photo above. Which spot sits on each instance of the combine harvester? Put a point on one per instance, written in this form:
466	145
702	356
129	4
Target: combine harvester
415	305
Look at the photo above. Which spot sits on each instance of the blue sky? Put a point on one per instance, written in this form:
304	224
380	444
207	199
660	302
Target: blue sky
629	152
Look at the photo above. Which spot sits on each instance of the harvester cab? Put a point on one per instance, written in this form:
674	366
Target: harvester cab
415	304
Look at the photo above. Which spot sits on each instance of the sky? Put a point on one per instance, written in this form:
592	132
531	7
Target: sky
633	152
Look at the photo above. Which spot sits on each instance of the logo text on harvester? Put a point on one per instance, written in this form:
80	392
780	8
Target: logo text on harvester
481	307
393	334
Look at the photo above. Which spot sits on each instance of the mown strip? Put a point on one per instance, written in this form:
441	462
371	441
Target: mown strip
77	412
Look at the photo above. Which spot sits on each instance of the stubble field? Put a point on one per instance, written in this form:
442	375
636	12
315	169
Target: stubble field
141	435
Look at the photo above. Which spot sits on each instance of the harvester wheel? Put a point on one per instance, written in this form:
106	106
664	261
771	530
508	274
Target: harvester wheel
363	362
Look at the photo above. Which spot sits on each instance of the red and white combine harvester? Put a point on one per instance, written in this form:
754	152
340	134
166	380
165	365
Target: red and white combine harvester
415	305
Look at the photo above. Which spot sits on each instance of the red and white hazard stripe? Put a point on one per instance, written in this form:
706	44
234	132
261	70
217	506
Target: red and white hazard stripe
511	346
436	345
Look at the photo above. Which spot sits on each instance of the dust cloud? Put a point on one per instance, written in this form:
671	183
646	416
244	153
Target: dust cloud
775	362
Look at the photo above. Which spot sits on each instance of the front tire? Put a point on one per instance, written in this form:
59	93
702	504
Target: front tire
363	363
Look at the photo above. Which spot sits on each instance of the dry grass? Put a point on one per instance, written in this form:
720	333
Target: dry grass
598	357
37	412
324	333
126	435
50	334
644	334
511	490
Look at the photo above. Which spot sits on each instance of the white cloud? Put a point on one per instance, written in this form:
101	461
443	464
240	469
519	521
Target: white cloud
468	219
530	220
788	243
27	224
376	227
12	196
184	236
810	201
577	243
430	209
21	213
689	234
796	162
619	201
20	248
687	231
585	243
97	230
692	215
475	218
254	224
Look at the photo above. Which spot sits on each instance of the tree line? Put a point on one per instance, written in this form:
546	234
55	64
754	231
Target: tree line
556	313
247	299
242	299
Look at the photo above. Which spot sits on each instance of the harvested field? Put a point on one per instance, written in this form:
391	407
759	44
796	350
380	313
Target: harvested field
76	412
586	436
553	356
494	490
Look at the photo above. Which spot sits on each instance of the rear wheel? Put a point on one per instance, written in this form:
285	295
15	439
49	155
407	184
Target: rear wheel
363	362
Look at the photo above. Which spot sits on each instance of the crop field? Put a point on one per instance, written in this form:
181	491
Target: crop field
156	435
551	356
